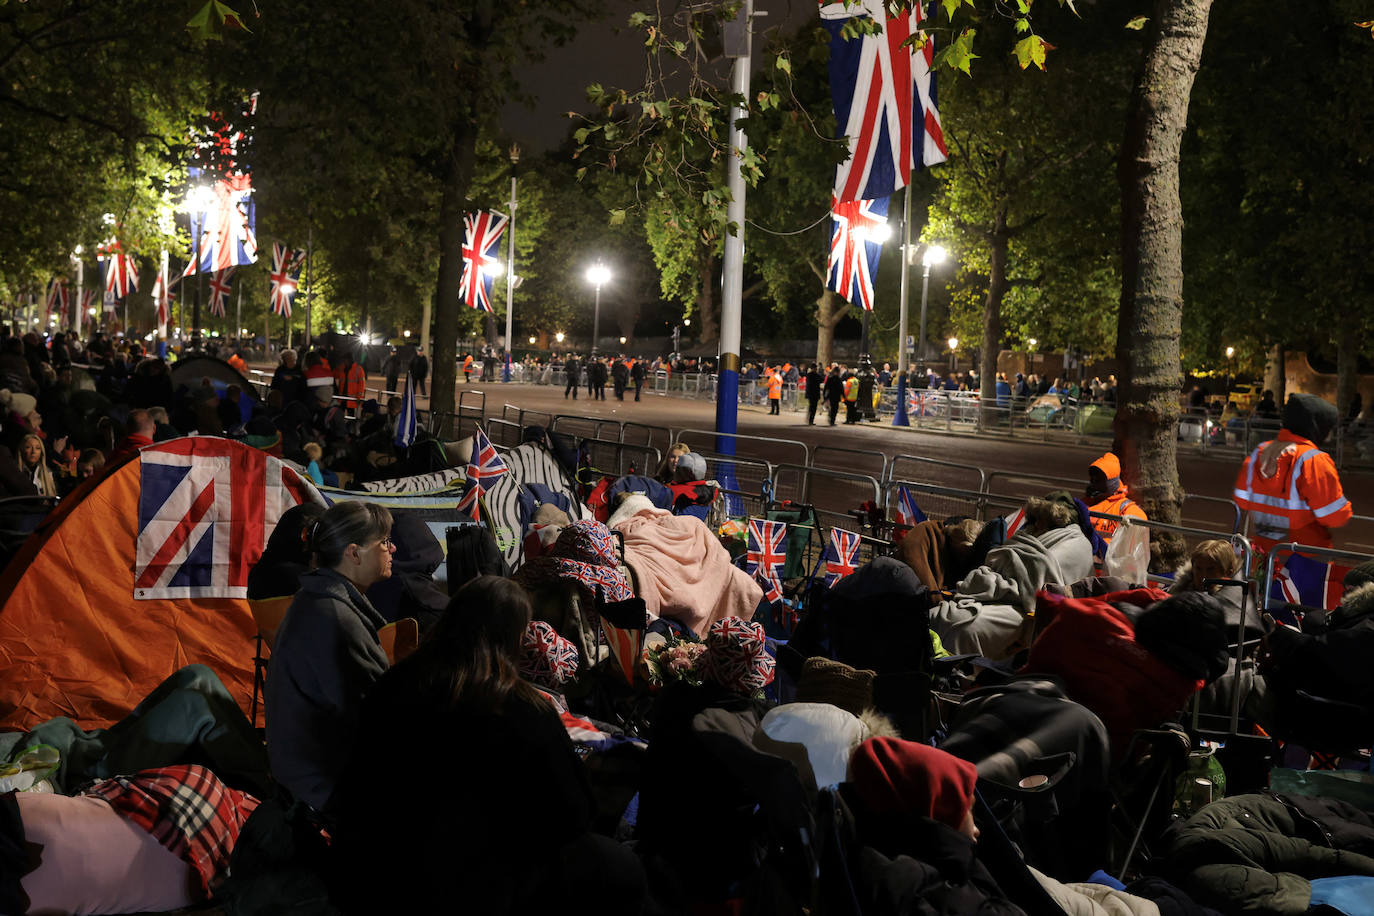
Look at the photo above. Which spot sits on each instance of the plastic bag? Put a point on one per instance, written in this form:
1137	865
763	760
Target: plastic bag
27	770
1128	554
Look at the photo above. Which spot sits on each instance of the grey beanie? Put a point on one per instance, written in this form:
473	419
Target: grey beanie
693	463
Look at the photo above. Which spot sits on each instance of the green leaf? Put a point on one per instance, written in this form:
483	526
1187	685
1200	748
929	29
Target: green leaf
958	54
639	20
784	64
581	173
1138	23
1031	50
1022	26
617	217
211	18
950	7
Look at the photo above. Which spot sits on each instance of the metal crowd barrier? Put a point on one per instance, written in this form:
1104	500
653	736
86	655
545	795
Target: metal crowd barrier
503	434
661	437
935	501
904	466
771	448
1330	553
609	456
800	483
854	459
588	427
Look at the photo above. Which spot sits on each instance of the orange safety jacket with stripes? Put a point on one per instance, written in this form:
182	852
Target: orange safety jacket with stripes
775	386
1116	504
351	382
1293	493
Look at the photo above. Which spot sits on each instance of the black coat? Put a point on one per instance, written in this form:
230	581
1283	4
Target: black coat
814	381
834	389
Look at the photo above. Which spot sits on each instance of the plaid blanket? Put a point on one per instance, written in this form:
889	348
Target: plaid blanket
186	809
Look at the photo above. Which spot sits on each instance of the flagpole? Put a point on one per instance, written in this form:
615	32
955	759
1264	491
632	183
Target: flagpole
238	317
510	264
901	418
310	281
732	275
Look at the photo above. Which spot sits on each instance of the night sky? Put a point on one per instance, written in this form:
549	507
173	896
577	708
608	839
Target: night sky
609	53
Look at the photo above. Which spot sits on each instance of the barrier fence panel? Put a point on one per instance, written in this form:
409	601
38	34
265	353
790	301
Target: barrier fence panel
660	437
935	501
837	492
1023	486
535	418
589	427
503	433
765	448
745	483
510	413
937	471
1211	512
864	461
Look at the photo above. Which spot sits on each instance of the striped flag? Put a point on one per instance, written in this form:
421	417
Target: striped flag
1309	582
884	97
121	271
766	554
406	422
57	299
853	255
219	290
162	297
841	555
484	467
285	277
908	515
624	623
1015	522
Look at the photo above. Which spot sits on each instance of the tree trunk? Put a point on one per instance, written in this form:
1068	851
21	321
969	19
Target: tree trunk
830	310
1275	375
443	361
992	316
706	299
1347	358
1151	314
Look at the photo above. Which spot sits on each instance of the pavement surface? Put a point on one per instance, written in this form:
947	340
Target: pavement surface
1206	476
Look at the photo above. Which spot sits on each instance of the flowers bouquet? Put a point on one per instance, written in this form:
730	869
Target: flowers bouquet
675	659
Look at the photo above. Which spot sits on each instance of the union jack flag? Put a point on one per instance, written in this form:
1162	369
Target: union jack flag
162	297
1309	582
881	90
909	515
57	300
225	230
206	506
219	290
87	303
481	236
484	467
853	256
841	555
924	403
767	552
120	270
1015	523
285	277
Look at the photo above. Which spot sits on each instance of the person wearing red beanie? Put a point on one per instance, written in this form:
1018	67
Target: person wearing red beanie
895	776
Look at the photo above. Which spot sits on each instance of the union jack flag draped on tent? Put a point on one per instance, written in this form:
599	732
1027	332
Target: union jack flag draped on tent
484	467
766	554
884	97
57	299
162	297
841	555
219	290
120	270
854	257
481	236
285	277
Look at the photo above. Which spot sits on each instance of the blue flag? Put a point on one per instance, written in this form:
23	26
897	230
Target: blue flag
405	423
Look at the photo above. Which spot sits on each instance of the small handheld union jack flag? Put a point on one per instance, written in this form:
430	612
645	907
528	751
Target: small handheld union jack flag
481	237
484	467
219	290
285	277
767	552
841	555
908	514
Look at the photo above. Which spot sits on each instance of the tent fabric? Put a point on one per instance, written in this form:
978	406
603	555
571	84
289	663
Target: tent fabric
530	463
74	639
419	483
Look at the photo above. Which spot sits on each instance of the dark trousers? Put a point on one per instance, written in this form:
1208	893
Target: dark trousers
811	404
420	385
572	386
638	385
600	392
834	411
390	383
620	391
774	404
851	411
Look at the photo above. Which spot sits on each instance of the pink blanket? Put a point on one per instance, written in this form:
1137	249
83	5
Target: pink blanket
682	571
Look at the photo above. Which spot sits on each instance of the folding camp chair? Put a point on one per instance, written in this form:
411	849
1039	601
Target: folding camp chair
268	614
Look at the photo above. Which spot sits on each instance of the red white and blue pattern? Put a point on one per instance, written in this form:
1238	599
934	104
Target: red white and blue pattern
205	509
767	552
162	298
57	299
481	239
120	271
484	467
736	655
87	303
1015	523
546	659
924	403
908	514
219	290
854	257
841	555
224	232
285	277
884	97
1309	582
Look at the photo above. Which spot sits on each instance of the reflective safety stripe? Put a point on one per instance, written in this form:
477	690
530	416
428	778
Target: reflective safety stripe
1296	472
1331	507
1277	502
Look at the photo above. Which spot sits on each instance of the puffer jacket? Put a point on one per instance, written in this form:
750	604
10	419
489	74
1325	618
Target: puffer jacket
1258	853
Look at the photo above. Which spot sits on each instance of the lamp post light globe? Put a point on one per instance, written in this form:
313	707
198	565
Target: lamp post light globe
558	337
934	254
533	340
1230	352
597	275
686	322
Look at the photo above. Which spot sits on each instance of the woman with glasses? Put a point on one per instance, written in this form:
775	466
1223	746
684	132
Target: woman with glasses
326	653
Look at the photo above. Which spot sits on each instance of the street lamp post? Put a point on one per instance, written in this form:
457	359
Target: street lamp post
597	275
934	254
510	263
80	285
198	202
953	346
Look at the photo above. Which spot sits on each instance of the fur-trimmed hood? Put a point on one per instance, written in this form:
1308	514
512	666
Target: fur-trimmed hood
1357	607
1230	596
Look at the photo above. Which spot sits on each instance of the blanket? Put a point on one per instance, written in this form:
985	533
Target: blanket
990	613
682	571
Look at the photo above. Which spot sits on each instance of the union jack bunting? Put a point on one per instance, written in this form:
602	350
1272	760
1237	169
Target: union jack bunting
285	277
225	229
162	298
853	257
205	509
219	290
481	236
884	96
120	270
484	467
841	555
57	299
908	514
766	554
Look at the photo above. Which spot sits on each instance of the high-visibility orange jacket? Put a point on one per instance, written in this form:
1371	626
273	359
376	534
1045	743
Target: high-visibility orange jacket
237	362
775	386
851	389
350	382
1292	491
1116	504
467	363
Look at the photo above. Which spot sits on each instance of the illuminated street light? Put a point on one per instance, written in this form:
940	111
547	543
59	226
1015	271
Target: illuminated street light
597	275
407	333
622	341
558	337
1031	342
533	341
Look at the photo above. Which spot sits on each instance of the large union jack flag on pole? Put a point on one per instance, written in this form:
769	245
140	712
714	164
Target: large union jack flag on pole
853	255
766	554
162	296
285	277
224	230
884	97
120	270
481	239
484	467
841	555
219	290
205	509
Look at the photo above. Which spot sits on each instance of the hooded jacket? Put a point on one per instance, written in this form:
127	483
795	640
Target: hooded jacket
325	657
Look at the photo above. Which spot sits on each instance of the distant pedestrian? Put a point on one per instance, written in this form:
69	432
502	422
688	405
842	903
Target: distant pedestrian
419	370
774	393
814	381
596	379
573	367
392	369
637	374
834	393
851	399
467	369
620	378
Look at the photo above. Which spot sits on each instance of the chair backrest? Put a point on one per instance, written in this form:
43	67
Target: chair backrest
399	639
268	614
